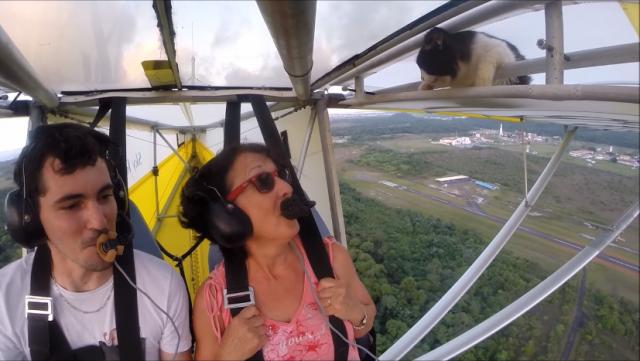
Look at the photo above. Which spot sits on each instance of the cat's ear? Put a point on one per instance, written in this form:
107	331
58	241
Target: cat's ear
434	39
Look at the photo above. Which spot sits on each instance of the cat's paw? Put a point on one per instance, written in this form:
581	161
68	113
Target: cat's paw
425	86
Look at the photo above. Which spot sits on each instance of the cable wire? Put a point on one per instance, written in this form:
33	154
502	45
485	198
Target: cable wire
175	352
315	297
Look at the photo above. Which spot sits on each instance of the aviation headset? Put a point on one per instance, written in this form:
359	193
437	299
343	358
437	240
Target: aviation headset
224	221
230	225
23	221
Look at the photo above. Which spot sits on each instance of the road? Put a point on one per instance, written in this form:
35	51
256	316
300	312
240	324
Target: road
501	221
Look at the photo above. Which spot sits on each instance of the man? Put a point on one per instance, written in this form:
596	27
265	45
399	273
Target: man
66	206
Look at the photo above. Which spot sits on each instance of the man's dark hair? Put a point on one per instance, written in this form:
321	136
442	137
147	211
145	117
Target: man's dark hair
75	146
197	192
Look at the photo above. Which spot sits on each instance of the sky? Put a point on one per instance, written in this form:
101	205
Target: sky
98	44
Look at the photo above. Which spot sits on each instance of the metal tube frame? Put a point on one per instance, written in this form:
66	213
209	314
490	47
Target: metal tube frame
16	72
177	96
545	92
167	33
359	85
453	295
175	151
534	296
156	173
307	139
555	42
333	187
163	213
463	19
349	68
291	25
608	55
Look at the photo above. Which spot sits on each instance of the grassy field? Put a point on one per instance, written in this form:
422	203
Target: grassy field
550	218
547	150
422	143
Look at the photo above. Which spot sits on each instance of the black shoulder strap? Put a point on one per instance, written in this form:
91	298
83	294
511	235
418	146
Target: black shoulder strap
309	234
124	295
46	338
38	323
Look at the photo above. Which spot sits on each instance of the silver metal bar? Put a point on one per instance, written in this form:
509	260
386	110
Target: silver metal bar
333	187
307	140
167	32
453	295
173	149
524	157
549	92
555	42
17	73
249	114
534	296
359	86
177	96
155	174
292	24
473	15
174	190
609	55
348	70
186	111
87	115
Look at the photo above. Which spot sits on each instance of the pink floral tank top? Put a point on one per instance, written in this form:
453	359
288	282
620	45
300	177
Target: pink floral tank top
305	337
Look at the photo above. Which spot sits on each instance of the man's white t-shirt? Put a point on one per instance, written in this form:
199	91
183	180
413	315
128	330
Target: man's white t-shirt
88	318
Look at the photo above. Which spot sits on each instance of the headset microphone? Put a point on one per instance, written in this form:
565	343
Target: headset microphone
294	207
109	247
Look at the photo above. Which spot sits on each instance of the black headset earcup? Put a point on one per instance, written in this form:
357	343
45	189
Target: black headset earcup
22	221
228	224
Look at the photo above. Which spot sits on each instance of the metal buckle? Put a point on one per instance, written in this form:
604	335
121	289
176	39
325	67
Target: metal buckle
28	300
226	296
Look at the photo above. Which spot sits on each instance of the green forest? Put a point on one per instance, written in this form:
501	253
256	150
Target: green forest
408	261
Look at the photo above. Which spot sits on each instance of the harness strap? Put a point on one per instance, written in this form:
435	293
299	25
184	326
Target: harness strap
125	297
237	278
232	124
46	338
38	324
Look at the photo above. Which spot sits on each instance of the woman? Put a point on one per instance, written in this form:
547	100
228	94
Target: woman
286	322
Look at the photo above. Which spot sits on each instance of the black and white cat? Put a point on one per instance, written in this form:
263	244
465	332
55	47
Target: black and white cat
463	59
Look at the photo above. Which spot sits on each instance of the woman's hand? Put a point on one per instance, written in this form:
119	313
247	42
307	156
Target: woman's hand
337	300
244	336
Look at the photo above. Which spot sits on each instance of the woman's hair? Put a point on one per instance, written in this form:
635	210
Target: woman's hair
200	189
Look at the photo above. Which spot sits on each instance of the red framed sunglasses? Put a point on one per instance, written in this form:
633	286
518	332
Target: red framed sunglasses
264	182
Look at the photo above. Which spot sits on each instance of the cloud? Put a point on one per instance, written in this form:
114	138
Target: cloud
75	45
